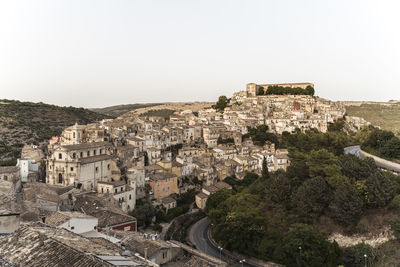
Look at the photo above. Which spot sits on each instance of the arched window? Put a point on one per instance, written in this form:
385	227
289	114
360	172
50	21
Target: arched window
73	155
60	178
130	197
102	190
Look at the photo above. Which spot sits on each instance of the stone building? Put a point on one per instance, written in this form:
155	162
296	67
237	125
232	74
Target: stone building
164	184
123	194
81	165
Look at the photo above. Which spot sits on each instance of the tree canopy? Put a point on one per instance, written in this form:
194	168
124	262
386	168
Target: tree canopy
265	216
281	90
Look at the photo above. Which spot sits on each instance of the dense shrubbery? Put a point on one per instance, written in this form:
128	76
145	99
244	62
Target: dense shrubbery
280	90
167	216
260	135
264	216
225	141
380	142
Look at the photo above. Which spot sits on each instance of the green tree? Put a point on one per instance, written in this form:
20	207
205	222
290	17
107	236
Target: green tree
354	167
217	198
278	189
380	190
302	246
264	171
322	163
222	103
346	207
312	198
354	256
391	149
144	214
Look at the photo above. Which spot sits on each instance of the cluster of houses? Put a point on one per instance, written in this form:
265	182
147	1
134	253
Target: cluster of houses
90	177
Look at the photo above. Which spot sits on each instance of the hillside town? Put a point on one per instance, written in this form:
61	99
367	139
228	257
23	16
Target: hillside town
79	193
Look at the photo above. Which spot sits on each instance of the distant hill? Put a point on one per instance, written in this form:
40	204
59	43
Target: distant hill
26	122
383	114
115	111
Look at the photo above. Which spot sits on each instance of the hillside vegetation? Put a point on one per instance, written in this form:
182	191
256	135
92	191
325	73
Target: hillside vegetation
323	191
116	111
26	122
385	115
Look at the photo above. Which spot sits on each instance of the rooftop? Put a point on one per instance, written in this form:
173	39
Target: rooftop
59	217
86	145
36	244
108	216
95	159
161	176
114	184
9	169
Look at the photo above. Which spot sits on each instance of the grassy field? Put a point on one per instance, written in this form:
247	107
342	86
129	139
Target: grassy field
386	116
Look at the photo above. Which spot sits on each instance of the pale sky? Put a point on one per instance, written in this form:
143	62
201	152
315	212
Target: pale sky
101	53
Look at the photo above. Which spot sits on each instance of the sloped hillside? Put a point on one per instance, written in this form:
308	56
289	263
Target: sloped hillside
26	122
118	110
385	115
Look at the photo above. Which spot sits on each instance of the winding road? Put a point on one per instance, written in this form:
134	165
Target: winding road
198	235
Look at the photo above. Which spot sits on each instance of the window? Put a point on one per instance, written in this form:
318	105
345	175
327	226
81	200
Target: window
74	155
60	178
97	169
72	227
102	190
121	189
108	166
94	152
81	155
130	197
59	155
73	134
72	169
116	190
88	153
101	151
5	178
108	191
